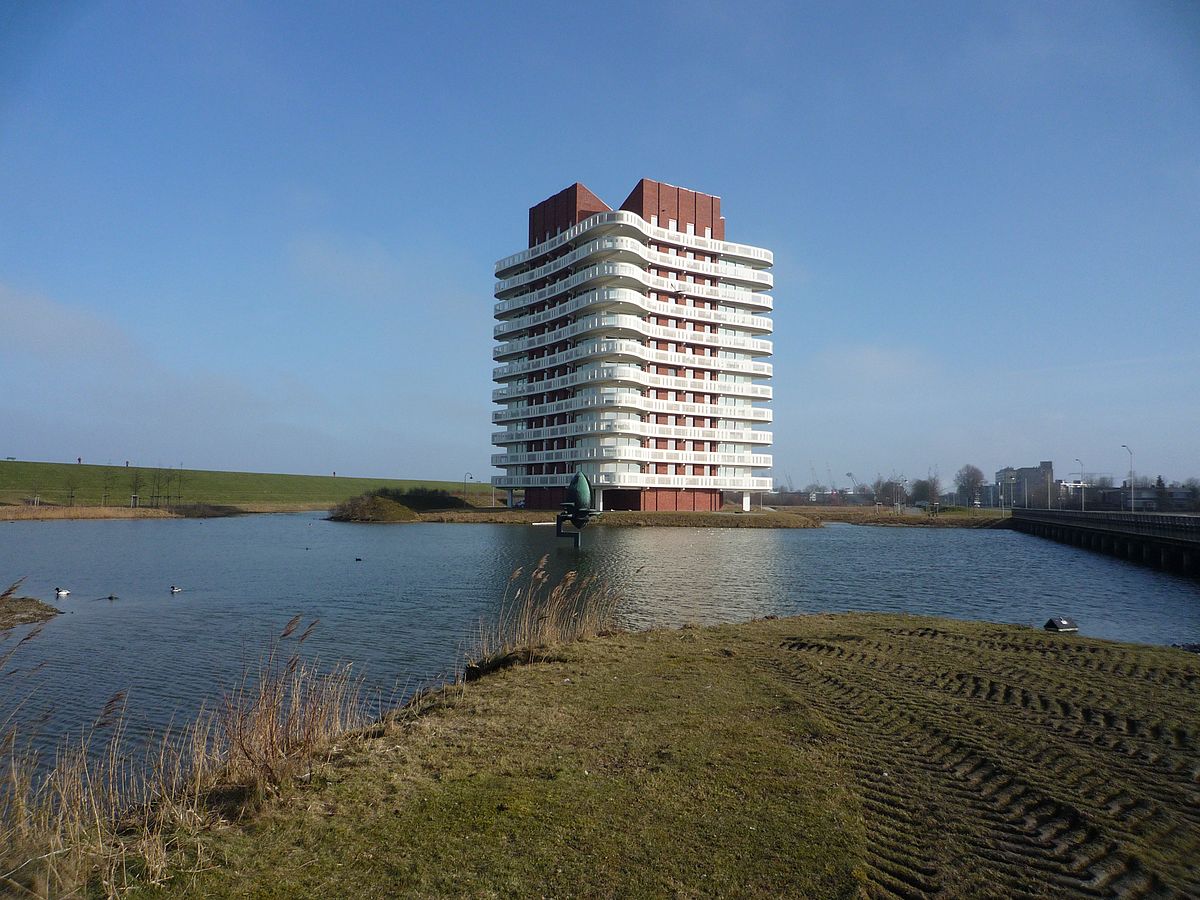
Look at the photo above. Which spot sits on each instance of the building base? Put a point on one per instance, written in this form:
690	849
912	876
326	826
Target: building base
649	499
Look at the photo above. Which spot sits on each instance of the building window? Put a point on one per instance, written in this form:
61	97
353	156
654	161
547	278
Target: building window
691	228
654	221
707	231
674	226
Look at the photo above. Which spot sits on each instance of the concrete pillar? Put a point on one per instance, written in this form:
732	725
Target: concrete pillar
511	497
745	501
598	499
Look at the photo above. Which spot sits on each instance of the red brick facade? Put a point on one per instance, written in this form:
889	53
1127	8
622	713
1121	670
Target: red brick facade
664	202
568	207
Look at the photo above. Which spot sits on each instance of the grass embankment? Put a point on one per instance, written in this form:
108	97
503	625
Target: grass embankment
820	756
872	515
55	483
369	508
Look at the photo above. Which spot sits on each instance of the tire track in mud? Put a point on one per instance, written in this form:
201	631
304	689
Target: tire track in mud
1009	786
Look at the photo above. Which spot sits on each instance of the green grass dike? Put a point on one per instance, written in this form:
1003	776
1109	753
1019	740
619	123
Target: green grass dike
822	756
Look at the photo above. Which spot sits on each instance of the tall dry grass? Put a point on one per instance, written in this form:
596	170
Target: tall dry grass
107	813
538	613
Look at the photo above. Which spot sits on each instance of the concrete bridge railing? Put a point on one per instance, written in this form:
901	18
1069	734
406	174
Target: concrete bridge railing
1171	541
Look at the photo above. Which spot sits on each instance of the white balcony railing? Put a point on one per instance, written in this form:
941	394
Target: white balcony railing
755	256
754	279
517	412
632	375
615	272
640	480
632	427
614	297
606	349
633	454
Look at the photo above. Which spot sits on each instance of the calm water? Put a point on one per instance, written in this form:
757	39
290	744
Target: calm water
400	615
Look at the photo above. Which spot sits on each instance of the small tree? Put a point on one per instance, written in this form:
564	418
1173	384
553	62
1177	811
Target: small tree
135	482
72	485
107	478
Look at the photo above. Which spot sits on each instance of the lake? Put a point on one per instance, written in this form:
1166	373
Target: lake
403	614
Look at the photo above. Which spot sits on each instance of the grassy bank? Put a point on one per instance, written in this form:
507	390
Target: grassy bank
873	515
817	756
70	484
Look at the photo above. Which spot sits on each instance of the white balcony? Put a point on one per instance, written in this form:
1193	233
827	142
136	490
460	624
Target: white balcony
611	374
634	454
608	298
621	219
639	480
632	250
634	428
608	350
636	402
624	275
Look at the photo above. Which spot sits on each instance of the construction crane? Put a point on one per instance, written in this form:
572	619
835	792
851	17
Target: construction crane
832	486
853	483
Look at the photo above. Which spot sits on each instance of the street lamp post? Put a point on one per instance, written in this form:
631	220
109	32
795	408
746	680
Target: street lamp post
1082	487
1131	504
466	476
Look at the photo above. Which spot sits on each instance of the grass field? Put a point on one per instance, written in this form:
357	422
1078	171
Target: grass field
821	756
65	484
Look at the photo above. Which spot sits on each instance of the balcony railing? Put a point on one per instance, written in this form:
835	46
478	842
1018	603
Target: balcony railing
639	480
633	401
709	246
624	271
633	427
608	246
634	454
611	297
601	349
632	375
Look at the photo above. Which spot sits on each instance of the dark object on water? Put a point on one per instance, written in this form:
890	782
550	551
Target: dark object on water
1061	623
358	559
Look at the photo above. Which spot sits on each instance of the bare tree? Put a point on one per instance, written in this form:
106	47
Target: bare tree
72	484
969	482
135	483
156	486
107	477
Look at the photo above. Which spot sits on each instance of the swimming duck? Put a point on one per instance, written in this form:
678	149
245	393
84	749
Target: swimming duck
175	590
61	592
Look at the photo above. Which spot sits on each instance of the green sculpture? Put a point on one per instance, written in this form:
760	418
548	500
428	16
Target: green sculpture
576	508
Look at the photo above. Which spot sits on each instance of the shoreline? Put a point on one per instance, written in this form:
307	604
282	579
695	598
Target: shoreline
784	517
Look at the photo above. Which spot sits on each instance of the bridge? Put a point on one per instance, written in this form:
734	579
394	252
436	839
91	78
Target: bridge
1167	540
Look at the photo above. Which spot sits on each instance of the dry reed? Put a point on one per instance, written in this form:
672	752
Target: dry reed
536	614
106	813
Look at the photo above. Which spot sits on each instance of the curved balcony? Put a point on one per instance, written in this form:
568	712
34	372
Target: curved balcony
634	454
607	374
637	403
613	349
633	428
614	297
620	219
639	480
609	274
632	250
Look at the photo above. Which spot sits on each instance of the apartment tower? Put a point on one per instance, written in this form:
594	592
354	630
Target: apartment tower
632	346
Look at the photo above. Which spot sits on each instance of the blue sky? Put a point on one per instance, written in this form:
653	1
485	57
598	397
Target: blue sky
261	236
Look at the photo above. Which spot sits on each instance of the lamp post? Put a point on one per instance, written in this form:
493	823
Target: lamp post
1126	446
1082	487
466	476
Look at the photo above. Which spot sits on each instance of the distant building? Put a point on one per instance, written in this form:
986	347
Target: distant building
1026	486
